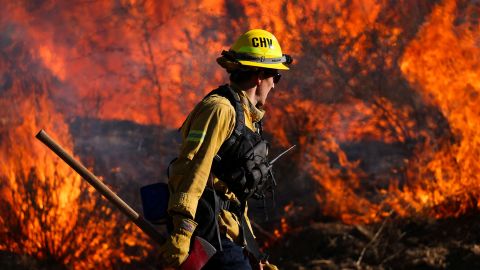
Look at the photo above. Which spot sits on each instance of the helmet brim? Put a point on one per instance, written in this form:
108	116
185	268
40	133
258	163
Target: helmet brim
279	66
244	64
230	66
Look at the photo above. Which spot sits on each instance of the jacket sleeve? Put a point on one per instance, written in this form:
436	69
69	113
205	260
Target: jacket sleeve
208	126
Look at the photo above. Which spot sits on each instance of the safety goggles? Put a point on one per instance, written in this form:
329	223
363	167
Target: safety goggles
272	73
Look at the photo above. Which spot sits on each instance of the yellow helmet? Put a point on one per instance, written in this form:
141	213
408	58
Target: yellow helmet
256	48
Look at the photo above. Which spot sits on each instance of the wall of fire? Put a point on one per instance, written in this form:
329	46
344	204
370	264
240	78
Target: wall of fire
380	101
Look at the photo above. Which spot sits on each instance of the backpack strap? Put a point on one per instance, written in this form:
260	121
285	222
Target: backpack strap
227	92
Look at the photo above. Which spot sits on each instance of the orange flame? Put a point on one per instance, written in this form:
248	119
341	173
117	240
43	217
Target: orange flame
439	179
48	212
443	62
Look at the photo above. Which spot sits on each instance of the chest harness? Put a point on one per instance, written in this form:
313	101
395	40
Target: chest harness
242	164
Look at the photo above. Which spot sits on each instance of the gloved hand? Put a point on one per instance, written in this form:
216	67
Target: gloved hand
268	266
175	250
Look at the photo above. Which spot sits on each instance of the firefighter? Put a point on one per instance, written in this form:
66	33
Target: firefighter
223	158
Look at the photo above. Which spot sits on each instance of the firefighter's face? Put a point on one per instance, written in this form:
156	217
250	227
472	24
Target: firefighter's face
265	84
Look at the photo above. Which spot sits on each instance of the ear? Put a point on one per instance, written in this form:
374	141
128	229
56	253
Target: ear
259	78
259	81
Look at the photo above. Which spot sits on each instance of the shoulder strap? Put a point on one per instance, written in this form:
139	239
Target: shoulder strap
227	92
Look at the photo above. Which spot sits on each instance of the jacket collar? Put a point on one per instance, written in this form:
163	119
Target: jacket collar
255	113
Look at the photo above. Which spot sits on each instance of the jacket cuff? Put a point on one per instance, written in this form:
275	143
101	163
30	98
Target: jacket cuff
184	225
184	204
